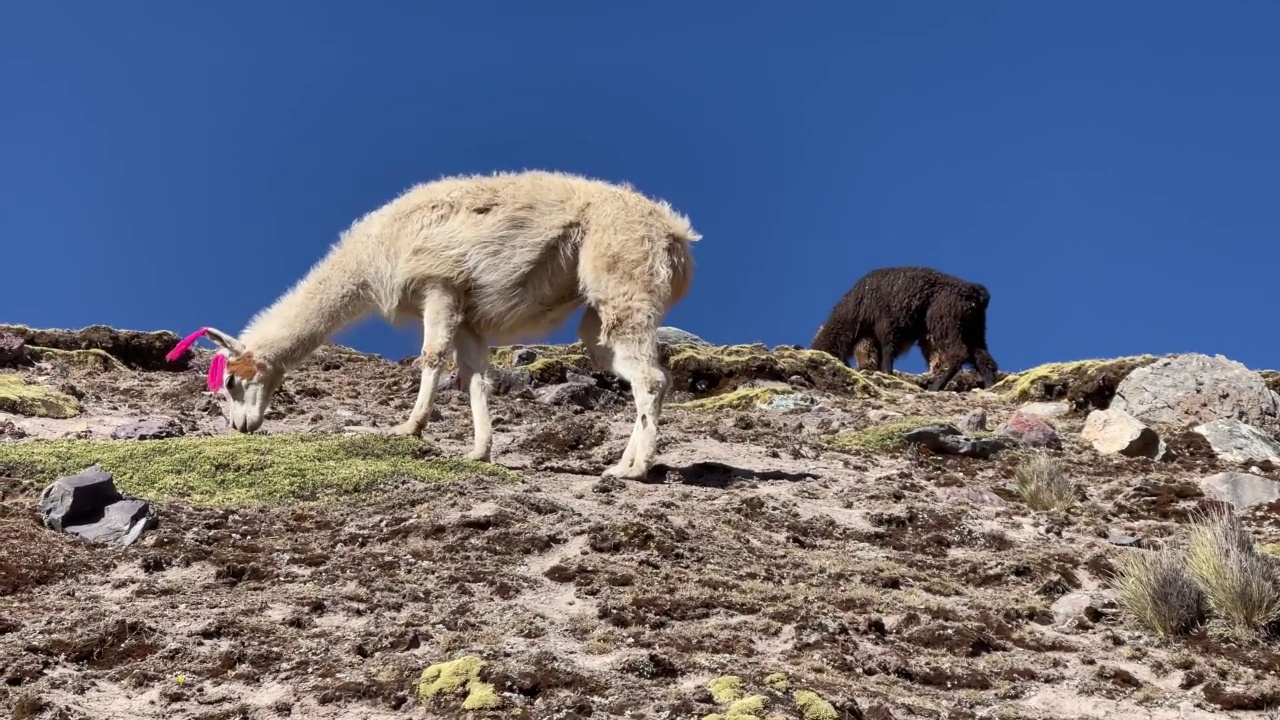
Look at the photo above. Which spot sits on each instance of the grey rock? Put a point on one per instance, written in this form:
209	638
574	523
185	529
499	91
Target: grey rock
1113	431
971	495
1196	388
524	356
511	381
676	336
1029	430
13	349
948	440
149	429
1116	538
89	505
1241	489
790	403
1092	606
974	421
583	395
571	376
11	431
1046	409
1237	442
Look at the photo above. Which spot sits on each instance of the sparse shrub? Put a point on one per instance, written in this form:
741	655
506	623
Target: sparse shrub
1154	587
1043	485
1240	586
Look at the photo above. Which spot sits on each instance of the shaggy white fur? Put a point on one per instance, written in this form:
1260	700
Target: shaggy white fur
486	260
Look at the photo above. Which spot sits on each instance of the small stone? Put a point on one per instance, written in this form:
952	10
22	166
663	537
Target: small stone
788	403
1046	409
879	416
974	421
524	356
1029	429
1123	540
149	429
509	381
947	440
1081	603
588	397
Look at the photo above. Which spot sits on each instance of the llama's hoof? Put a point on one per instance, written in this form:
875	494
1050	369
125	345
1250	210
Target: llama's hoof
625	472
478	455
405	428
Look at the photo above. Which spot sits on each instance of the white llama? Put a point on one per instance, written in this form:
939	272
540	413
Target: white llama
487	259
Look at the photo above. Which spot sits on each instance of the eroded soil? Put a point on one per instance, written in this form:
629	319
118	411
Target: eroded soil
894	585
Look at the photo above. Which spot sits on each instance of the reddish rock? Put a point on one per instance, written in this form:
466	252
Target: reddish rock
1030	429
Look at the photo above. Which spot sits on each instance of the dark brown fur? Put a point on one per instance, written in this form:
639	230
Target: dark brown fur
891	309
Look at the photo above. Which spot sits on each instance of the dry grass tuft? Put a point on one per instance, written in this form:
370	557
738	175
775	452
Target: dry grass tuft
1154	587
1241	586
1043	485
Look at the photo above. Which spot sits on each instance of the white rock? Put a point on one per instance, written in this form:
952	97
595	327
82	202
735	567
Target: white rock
1113	431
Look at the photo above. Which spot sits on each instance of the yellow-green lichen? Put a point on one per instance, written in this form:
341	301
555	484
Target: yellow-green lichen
734	363
726	689
92	359
21	398
747	706
885	436
1028	385
813	707
740	399
231	470
456	676
777	681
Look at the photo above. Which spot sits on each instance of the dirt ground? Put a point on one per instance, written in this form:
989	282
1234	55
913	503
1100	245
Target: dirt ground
892	584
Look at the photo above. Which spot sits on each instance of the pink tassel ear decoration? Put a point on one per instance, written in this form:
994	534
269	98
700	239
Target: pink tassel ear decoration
185	343
216	368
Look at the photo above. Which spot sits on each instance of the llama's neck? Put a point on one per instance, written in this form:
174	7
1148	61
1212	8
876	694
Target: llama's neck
831	338
333	294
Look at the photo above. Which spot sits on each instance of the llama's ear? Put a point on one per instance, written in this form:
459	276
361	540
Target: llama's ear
224	341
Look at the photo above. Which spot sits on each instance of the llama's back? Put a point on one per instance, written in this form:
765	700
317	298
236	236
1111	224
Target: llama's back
512	242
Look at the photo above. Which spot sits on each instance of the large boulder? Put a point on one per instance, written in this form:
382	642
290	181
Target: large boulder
1194	389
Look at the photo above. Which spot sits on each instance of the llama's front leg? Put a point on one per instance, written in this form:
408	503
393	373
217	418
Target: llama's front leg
473	361
439	324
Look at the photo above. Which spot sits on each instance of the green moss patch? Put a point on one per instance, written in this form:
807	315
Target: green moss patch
91	359
886	436
21	398
231	470
735	400
1072	380
813	707
716	369
456	677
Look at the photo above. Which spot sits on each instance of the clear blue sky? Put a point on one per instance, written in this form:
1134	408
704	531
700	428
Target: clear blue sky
1109	170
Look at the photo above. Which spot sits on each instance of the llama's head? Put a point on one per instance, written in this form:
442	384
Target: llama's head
246	381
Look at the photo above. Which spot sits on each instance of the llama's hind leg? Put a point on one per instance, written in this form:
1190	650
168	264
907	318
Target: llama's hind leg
473	361
636	359
440	319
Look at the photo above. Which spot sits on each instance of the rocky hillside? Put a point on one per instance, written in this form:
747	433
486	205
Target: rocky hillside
1091	539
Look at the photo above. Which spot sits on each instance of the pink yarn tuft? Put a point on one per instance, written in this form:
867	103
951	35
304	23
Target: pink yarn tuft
185	343
216	368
